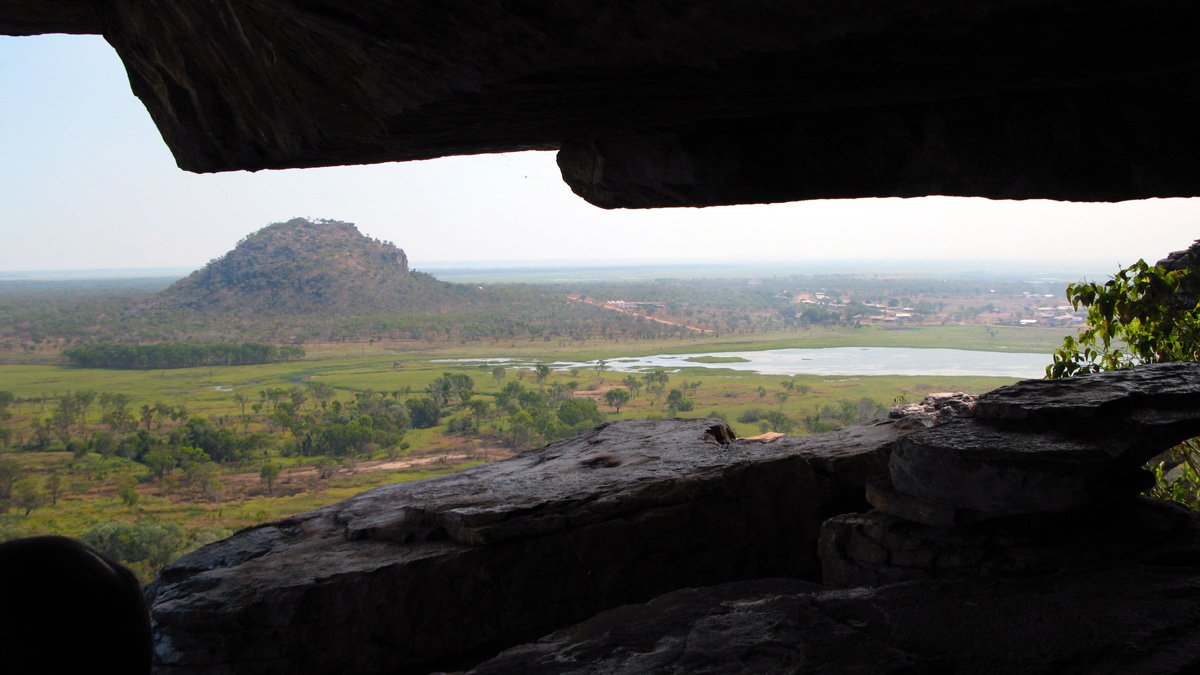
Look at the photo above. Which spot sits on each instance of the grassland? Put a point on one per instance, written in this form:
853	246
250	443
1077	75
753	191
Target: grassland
91	493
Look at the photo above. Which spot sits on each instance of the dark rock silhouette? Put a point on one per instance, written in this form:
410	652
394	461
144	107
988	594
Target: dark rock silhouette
657	103
64	608
1124	620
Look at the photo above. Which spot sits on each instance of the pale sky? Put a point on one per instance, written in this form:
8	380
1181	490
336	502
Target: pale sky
87	183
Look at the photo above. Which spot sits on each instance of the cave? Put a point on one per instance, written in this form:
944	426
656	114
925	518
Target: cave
671	546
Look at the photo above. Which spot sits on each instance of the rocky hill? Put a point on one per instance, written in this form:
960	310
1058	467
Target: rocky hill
311	267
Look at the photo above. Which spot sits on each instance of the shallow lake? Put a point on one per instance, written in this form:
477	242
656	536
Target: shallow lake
828	361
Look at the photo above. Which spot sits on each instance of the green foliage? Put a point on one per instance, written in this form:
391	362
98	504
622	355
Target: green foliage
178	355
1144	314
142	541
372	420
147	545
677	402
27	494
10	472
268	473
617	398
424	412
779	422
751	415
579	413
127	491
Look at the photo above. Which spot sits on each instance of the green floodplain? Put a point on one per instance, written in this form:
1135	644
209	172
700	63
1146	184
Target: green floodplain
79	490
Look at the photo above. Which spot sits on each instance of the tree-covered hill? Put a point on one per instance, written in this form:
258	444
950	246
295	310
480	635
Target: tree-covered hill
305	267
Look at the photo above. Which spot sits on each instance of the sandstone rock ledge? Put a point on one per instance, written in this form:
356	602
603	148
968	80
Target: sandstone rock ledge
1131	620
445	572
1008	538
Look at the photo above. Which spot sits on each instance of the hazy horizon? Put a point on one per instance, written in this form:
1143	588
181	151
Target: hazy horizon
546	271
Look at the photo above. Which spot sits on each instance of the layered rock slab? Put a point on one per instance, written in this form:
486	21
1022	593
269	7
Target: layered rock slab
1051	445
1132	619
876	548
438	573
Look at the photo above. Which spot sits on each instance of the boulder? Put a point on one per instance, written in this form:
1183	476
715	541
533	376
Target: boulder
440	573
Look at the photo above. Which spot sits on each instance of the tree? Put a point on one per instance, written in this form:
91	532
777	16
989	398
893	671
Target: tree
268	474
54	487
424	412
541	372
10	472
241	400
127	491
479	409
678	402
779	422
27	494
1144	314
617	398
633	384
578	412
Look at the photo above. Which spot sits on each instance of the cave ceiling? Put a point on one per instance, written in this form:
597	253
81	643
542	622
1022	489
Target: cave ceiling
654	103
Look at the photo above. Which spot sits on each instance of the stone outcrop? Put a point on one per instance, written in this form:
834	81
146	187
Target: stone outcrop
1052	445
441	573
1188	258
975	576
661	103
1041	476
934	407
872	549
1142	619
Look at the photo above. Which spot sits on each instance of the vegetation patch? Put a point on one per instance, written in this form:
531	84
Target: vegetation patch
178	355
717	359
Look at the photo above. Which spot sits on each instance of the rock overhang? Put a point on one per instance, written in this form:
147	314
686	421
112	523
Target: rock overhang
668	103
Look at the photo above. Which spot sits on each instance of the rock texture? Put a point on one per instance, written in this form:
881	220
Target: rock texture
1052	445
440	573
1041	476
668	103
1143	619
37	17
933	408
873	549
1188	258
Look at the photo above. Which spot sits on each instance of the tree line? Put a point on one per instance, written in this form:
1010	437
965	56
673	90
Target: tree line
178	355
